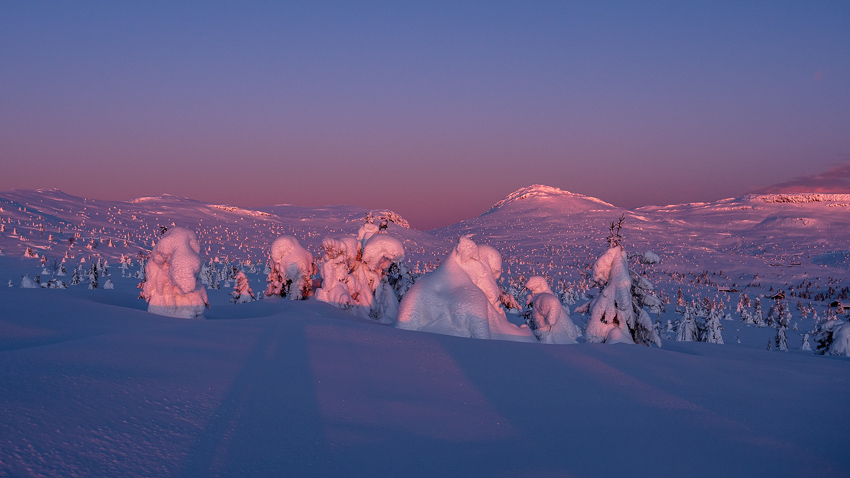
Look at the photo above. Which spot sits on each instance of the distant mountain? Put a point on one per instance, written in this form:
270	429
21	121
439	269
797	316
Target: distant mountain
54	223
539	199
539	229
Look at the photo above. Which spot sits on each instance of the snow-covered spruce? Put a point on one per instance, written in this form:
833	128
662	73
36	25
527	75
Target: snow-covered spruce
172	287
833	337
291	269
357	273
617	314
552	323
688	330
452	300
242	292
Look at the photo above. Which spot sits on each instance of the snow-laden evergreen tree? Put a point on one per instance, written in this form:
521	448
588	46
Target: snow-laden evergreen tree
781	339
688	330
93	277
77	276
833	336
616	313
171	285
461	297
758	315
108	285
711	332
242	292
366	276
806	345
552	322
291	269
28	283
773	314
743	303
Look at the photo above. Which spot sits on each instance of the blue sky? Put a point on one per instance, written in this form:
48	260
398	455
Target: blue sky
434	109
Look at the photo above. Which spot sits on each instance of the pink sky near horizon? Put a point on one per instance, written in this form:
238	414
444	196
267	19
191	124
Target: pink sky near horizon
435	111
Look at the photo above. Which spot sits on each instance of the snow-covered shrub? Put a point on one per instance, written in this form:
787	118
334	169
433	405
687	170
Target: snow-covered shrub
616	313
291	271
108	285
450	300
172	287
242	290
28	283
552	323
650	257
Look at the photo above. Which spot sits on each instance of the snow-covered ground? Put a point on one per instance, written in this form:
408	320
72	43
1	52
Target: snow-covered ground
94	385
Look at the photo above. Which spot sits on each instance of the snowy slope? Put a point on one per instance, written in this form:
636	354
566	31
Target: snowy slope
94	386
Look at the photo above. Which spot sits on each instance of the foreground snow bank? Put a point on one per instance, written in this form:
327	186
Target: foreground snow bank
172	286
461	298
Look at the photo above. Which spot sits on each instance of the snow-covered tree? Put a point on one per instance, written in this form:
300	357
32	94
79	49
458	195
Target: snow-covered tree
688	330
806	345
28	283
616	313
781	339
291	271
93	277
758	315
365	276
833	337
452	300
242	292
172	286
552	323
711	331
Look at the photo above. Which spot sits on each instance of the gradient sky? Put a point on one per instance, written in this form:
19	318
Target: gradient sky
434	109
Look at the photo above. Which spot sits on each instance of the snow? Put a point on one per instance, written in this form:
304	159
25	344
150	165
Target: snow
458	299
295	266
552	322
285	388
611	310
172	286
94	385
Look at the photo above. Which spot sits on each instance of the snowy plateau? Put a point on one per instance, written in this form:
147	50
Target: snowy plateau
92	384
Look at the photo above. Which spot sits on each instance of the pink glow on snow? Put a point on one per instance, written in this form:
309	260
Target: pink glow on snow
358	398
